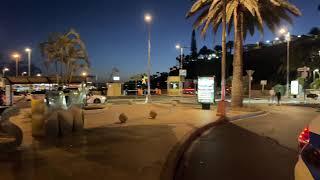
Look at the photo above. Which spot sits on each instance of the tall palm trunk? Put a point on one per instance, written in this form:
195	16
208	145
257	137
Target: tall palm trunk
237	80
224	48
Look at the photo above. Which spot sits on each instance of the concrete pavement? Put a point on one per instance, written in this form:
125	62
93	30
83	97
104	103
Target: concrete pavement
263	147
137	150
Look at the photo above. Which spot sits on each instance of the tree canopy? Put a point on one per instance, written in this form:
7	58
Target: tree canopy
67	49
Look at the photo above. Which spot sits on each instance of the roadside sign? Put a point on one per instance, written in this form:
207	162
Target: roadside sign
206	90
303	69
183	72
294	87
250	72
263	82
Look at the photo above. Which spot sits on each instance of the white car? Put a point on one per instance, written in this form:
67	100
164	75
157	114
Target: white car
308	165
96	99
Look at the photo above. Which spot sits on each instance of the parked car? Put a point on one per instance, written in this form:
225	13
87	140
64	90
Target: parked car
190	91
313	96
96	99
308	165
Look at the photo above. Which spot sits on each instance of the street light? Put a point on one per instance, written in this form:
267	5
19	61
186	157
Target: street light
4	70
16	57
24	73
28	51
285	32
84	74
39	75
181	48
148	21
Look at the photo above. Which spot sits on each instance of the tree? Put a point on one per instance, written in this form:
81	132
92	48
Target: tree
218	48
205	52
314	31
244	16
194	50
67	49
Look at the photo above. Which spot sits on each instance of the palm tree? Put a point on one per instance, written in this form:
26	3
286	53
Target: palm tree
67	49
245	16
315	31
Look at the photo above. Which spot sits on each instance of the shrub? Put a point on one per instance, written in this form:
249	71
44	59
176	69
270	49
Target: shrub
123	118
153	115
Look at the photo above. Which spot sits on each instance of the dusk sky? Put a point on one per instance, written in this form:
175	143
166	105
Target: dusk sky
114	30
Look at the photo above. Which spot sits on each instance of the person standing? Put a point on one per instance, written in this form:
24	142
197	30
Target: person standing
278	94
272	95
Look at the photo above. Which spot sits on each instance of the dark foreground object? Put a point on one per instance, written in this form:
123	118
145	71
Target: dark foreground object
229	152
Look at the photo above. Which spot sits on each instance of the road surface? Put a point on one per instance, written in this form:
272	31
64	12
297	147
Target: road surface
261	148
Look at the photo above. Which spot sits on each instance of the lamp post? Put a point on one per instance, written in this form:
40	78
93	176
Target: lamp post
181	49
283	31
16	57
28	51
148	20
4	70
250	73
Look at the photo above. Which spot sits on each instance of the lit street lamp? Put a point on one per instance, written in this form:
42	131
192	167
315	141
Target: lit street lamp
181	48
283	31
148	20
24	73
39	75
84	74
16	57
4	70
28	51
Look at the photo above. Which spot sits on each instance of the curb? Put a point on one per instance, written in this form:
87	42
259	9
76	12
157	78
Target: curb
176	154
239	117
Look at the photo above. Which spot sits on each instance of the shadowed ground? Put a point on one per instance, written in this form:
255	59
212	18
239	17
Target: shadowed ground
105	153
263	148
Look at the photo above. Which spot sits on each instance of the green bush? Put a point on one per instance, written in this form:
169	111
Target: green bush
280	88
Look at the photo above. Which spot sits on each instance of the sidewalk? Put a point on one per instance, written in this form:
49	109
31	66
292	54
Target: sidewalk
137	150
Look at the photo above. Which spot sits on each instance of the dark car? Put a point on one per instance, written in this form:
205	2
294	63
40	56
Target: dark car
313	96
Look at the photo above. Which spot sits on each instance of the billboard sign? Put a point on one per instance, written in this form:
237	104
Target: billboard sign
294	87
206	90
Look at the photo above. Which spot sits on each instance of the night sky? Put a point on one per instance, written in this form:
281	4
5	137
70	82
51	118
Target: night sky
114	30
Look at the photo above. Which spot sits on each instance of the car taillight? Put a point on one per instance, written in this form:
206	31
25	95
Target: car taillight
304	137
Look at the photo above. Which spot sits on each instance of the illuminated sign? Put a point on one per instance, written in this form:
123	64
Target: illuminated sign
206	90
294	87
116	78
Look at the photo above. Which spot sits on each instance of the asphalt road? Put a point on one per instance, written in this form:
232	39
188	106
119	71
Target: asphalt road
263	148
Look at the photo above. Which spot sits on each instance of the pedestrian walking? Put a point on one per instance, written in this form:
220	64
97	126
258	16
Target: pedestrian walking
278	94
272	95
